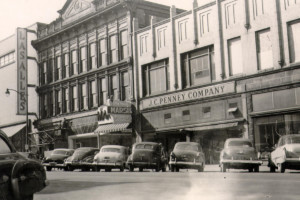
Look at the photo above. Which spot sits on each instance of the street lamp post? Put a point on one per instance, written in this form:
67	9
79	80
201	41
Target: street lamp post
7	92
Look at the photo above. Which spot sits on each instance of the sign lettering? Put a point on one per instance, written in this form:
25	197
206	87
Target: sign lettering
21	53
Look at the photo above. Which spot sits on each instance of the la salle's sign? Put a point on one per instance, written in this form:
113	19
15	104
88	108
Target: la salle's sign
189	95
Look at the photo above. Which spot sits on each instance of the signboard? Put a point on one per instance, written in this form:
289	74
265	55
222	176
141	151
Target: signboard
112	114
21	52
195	94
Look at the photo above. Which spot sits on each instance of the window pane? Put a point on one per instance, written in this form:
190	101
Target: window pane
264	50
294	42
235	56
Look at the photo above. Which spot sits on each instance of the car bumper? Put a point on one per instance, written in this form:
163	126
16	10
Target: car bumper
241	163
54	165
185	164
142	164
108	164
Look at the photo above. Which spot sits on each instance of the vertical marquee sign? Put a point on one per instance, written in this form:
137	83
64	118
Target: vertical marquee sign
22	70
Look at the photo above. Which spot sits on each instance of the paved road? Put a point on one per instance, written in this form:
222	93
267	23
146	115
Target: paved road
185	185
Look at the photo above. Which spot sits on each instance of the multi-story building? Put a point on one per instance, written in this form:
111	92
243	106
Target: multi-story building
11	123
224	69
86	71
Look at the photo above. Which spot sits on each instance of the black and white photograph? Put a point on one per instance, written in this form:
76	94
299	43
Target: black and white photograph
149	99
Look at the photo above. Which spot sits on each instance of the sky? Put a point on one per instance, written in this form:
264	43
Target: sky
23	13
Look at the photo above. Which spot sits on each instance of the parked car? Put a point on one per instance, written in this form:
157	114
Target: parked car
111	157
286	154
187	155
82	158
147	155
57	158
20	177
239	153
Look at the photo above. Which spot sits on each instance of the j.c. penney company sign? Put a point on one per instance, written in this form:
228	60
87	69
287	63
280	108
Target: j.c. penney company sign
189	95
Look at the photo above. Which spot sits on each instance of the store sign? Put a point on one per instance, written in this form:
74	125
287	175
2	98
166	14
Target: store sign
119	110
200	93
105	113
21	52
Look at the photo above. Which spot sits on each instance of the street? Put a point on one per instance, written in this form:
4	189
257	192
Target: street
187	184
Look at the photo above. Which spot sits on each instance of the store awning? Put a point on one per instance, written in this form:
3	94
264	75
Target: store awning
12	130
110	128
210	127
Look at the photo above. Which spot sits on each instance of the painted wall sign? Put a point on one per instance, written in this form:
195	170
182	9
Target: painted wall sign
189	95
119	110
21	52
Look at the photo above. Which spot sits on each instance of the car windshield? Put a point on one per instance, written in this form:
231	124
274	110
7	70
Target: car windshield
144	146
60	152
4	148
292	140
114	150
187	147
240	143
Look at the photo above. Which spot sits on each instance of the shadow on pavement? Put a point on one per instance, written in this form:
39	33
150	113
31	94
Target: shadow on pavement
59	186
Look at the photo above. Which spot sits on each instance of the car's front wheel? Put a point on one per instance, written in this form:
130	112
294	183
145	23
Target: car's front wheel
201	168
48	169
281	167
131	168
172	168
256	169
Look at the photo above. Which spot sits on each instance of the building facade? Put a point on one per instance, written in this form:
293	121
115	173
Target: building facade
11	123
86	72
224	69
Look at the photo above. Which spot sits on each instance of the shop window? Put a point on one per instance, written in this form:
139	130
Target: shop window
235	56
83	60
74	99
102	52
264	49
113	49
50	70
198	67
83	96
206	112
57	102
167	118
92	56
182	26
125	86
205	22
161	38
294	41
57	68
144	44
230	13
74	63
65	66
113	85
92	94
103	91
65	93
156	78
124	41
186	115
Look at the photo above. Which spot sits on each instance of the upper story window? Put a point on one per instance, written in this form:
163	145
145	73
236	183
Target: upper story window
50	70
156	78
65	66
83	60
6	59
103	91
161	38
74	98
124	41
113	84
205	20
92	94
113	48
294	41
288	3
57	102
57	68
65	99
83	96
43	73
74	63
144	44
50	99
125	86
92	56
198	67
258	7
264	49
235	56
102	52
182	30
230	13
44	104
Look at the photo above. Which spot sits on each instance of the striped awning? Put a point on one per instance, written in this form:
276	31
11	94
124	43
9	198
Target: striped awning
212	127
111	128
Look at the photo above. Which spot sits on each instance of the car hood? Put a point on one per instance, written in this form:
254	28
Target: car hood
56	157
13	157
293	148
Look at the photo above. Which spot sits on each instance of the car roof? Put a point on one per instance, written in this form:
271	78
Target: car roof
89	148
290	135
238	139
63	149
193	143
152	143
113	146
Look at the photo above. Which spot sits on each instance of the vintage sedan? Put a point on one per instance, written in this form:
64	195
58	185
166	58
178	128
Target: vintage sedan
20	177
187	155
111	157
286	154
147	155
239	153
82	158
57	159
